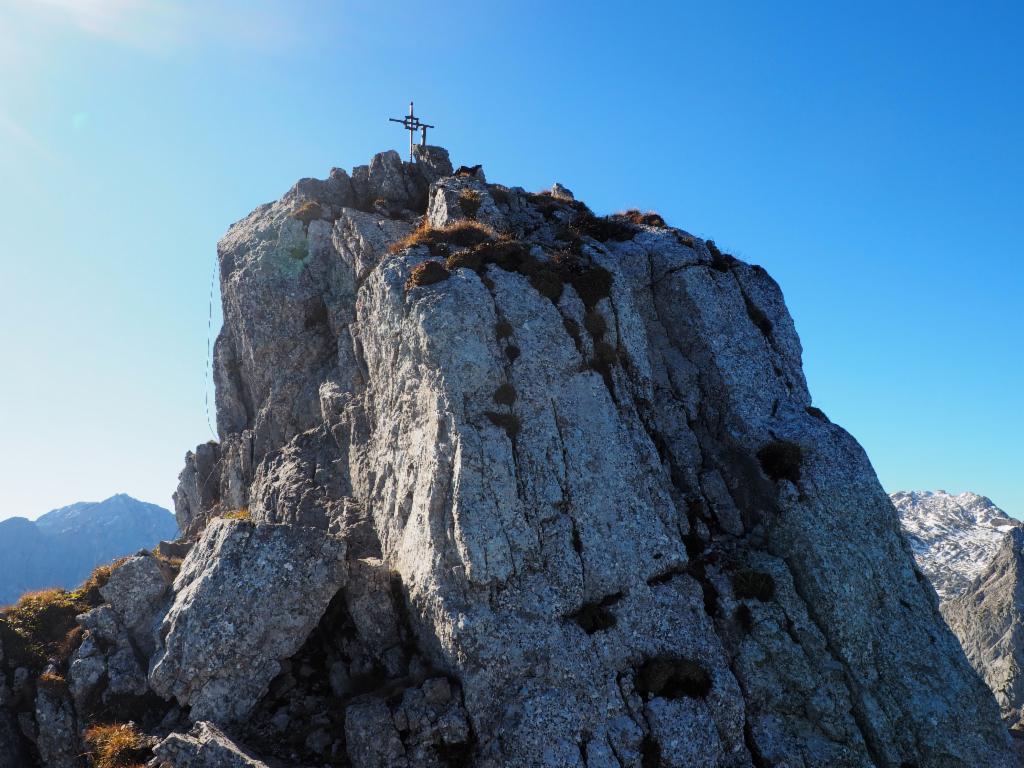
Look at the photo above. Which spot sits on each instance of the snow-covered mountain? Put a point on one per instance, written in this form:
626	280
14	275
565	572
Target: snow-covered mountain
62	547
954	537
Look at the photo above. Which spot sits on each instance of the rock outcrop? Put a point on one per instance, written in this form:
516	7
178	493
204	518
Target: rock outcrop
246	598
511	484
586	454
205	746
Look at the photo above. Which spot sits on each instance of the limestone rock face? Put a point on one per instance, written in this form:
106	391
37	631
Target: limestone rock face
587	513
246	598
988	618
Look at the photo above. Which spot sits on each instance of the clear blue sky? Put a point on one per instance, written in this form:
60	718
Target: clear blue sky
870	157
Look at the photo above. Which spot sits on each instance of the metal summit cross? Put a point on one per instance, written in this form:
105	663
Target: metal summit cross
411	123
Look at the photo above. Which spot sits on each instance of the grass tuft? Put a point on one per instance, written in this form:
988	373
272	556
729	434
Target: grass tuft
118	745
308	211
469	202
461	233
505	394
426	273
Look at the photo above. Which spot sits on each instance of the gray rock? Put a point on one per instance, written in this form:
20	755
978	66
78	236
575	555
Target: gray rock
656	548
557	190
136	591
205	746
198	489
101	622
246	598
988	617
371	738
12	754
85	672
57	741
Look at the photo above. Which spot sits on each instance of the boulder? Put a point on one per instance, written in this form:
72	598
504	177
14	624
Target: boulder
247	597
136	591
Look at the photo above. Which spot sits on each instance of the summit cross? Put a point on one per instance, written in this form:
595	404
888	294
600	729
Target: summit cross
412	124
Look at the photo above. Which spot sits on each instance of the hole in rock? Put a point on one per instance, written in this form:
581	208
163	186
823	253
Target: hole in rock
596	617
672	678
780	460
748	584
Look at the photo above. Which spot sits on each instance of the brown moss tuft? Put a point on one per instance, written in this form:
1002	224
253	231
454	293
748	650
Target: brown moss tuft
464	260
499	194
673	678
469	202
547	282
52	681
781	460
35	628
650	219
748	584
118	745
512	352
505	394
503	329
605	353
595	324
463	233
238	514
426	273
721	262
308	211
603	228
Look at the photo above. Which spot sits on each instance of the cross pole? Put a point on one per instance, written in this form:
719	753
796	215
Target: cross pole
411	123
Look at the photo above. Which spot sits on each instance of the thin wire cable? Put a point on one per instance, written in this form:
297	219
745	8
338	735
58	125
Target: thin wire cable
208	363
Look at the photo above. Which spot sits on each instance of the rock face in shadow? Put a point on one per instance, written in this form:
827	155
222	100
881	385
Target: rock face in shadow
583	509
970	550
988	618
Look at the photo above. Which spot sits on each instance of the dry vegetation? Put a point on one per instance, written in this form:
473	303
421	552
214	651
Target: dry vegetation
308	211
461	233
118	745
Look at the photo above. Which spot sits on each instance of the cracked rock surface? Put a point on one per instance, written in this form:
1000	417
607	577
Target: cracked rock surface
584	450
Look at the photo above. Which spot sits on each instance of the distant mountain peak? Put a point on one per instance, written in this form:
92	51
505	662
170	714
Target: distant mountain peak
953	536
63	546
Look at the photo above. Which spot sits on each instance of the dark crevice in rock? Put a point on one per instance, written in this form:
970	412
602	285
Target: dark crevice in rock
650	752
597	616
780	460
669	677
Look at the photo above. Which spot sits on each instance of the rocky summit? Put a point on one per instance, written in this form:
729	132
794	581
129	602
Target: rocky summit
501	482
